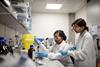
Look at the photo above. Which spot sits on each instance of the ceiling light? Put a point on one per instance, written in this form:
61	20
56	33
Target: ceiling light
53	6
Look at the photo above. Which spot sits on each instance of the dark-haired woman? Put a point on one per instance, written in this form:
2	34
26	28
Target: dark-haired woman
60	45
85	55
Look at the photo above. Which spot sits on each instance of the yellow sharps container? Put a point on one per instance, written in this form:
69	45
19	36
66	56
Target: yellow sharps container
27	40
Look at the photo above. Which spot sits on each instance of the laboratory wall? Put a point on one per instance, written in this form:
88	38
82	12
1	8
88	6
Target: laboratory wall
82	13
45	24
93	12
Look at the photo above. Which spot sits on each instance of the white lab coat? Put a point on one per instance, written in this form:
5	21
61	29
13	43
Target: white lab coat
85	55
54	53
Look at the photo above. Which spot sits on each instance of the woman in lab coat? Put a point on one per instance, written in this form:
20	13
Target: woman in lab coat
60	45
85	55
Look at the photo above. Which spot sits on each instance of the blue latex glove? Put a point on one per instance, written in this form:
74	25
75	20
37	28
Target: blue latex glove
42	54
73	48
63	53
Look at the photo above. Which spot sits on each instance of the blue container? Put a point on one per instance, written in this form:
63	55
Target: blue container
2	41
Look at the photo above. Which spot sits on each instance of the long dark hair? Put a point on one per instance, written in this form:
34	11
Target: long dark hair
81	22
61	34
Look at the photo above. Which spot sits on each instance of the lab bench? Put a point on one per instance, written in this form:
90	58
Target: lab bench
18	61
50	63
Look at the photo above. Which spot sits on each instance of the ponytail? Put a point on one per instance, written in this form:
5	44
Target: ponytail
86	28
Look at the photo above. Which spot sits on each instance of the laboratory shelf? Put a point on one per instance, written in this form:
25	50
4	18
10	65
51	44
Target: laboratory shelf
9	20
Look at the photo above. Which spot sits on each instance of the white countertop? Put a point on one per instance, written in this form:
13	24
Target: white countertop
50	63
